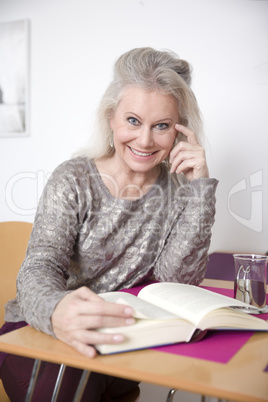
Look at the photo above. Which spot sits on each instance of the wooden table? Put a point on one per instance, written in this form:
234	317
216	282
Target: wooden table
241	379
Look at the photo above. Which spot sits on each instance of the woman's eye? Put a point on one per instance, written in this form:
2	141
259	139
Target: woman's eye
162	126
133	121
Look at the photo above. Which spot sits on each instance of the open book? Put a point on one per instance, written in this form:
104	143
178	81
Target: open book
169	313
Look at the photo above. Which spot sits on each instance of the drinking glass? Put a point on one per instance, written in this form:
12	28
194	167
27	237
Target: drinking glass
250	279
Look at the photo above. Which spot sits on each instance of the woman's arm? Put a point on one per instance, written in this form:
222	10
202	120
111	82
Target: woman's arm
44	301
41	281
185	252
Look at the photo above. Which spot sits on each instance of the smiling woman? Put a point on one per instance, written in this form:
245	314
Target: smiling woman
139	206
150	70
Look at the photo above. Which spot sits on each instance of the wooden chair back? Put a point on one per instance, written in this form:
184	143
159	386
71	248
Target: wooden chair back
14	237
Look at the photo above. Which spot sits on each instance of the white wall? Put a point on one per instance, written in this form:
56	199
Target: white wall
73	45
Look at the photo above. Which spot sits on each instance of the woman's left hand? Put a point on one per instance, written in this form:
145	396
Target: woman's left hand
188	157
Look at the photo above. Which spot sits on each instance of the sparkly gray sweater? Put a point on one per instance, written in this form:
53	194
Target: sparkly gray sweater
82	235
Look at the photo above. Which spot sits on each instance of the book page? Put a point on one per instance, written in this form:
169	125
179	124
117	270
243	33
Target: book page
186	301
142	308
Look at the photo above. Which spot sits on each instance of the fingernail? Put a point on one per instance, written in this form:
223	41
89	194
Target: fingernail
130	321
118	338
128	311
91	354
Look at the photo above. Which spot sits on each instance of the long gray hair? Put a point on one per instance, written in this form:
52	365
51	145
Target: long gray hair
151	70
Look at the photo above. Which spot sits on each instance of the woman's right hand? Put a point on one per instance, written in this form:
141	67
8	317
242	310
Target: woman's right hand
78	315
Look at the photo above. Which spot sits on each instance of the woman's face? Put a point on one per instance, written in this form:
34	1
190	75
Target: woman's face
143	127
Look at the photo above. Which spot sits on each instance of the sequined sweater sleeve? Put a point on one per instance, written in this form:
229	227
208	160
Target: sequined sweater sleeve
184	254
84	236
42	279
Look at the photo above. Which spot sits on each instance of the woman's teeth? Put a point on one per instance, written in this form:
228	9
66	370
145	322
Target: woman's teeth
140	153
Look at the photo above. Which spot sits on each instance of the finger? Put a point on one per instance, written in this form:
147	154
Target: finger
183	146
94	337
101	308
84	301
85	341
192	169
181	156
191	137
97	321
94	315
84	349
184	166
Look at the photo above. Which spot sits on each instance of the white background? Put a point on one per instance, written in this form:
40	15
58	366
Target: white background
73	45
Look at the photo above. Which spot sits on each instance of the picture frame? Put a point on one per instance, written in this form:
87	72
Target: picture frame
14	79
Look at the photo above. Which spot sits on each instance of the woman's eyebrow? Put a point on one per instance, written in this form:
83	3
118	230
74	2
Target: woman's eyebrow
164	120
156	121
133	114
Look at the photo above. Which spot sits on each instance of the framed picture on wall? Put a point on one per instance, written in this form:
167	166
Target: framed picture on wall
14	79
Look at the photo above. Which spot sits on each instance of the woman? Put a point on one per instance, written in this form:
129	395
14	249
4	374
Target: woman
137	207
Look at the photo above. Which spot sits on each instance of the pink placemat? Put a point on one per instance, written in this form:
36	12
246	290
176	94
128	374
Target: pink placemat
216	346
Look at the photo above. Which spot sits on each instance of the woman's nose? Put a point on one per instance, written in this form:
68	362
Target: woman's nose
145	137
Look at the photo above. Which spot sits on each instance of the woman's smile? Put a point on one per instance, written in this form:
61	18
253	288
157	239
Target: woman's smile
141	154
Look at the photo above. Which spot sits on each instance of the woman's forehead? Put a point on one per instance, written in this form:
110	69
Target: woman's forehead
136	97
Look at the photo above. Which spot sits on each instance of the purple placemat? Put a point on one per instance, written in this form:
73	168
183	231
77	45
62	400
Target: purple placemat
216	346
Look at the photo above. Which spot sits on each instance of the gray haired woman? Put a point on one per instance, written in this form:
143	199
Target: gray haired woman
136	205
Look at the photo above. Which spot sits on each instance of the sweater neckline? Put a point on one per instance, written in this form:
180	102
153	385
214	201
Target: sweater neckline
98	179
